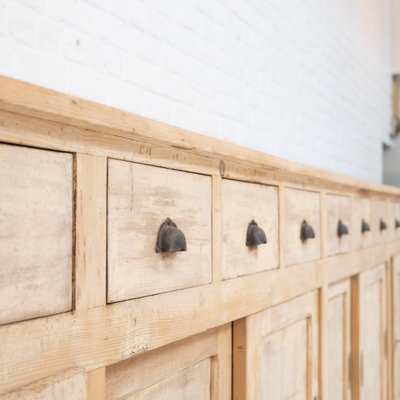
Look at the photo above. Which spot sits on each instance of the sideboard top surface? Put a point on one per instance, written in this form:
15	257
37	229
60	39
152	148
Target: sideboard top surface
107	125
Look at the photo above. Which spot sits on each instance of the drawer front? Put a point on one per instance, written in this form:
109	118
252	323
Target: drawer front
140	199
301	206
339	228
241	204
361	235
36	206
395	219
382	226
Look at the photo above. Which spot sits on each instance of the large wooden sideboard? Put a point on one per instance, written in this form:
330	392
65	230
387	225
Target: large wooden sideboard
142	261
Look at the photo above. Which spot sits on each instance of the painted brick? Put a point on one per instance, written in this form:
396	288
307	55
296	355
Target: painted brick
308	81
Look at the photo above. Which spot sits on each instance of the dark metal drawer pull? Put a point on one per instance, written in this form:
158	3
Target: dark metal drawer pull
382	225
342	229
170	239
255	235
306	231
365	227
396	224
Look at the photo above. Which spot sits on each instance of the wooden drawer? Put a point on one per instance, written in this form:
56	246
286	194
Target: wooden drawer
241	204
301	206
395	214
361	237
382	226
36	233
338	209
140	199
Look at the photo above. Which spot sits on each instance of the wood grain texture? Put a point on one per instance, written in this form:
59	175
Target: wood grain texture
396	327
381	211
147	345
140	198
222	365
69	385
96	384
192	383
91	204
36	205
216	229
338	208
394	212
339	341
132	375
241	203
373	334
361	210
31	100
301	205
102	336
281	351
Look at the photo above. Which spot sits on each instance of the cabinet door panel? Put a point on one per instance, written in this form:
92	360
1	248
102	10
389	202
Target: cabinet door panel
193	383
396	326
373	334
338	341
198	367
275	352
69	385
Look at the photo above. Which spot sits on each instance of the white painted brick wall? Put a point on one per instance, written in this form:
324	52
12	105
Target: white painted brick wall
307	80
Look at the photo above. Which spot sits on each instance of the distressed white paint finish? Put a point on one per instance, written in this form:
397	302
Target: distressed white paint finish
36	205
243	202
140	198
308	81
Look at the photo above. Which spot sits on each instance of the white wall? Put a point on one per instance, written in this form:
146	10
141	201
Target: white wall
396	36
307	80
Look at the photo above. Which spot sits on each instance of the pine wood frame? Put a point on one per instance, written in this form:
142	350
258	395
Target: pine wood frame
96	335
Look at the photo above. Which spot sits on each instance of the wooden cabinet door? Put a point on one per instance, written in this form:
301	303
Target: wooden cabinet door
396	327
196	368
338	341
275	352
373	334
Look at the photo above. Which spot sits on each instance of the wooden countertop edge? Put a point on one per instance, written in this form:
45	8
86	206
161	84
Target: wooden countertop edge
28	99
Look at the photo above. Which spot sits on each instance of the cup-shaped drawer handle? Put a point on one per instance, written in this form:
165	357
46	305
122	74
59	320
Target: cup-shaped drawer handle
365	226
396	224
342	229
170	239
255	235
306	231
382	225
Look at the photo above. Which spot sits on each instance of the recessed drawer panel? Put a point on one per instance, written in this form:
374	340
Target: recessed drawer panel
302	226
36	205
140	199
382	226
339	232
249	228
396	219
361	235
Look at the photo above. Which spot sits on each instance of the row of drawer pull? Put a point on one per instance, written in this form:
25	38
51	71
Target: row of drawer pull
170	239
